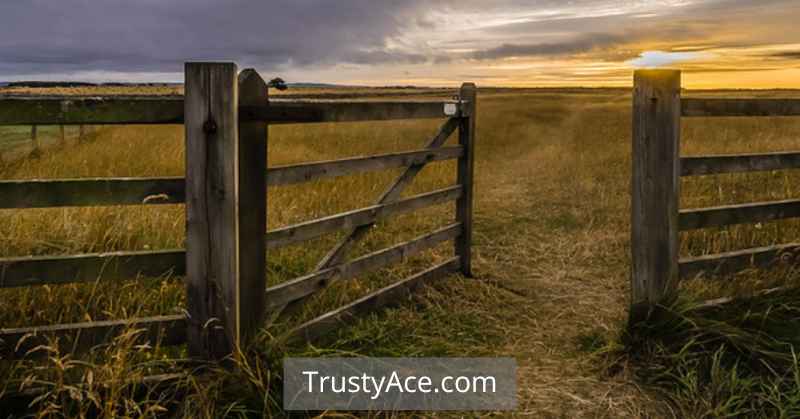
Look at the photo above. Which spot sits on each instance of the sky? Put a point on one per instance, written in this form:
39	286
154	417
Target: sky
717	43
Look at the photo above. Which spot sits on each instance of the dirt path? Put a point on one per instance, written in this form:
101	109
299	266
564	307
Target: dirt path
563	267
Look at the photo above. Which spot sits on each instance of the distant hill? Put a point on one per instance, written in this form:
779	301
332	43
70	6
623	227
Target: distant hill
315	85
39	84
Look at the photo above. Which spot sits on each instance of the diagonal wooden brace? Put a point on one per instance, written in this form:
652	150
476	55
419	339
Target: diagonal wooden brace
338	253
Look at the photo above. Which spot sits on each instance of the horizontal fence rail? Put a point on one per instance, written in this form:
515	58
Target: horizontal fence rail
385	297
739	107
292	112
739	163
172	190
348	220
692	219
739	260
41	270
17	343
282	294
91	192
306	172
169	110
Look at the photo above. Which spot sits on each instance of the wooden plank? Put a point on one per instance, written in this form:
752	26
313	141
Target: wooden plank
252	207
295	112
739	107
282	294
35	137
390	296
45	193
292	174
655	188
720	302
78	338
65	110
465	176
50	193
112	266
736	261
109	110
692	219
212	205
739	163
351	219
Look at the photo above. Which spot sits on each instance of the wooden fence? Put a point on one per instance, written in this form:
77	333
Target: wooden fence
226	116
657	168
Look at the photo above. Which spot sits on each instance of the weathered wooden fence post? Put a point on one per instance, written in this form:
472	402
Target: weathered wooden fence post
220	265
81	133
62	139
252	205
655	188
34	137
466	166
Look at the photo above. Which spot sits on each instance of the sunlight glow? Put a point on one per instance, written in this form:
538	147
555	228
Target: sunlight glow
655	59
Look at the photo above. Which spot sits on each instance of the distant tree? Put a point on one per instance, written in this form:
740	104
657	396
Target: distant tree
278	83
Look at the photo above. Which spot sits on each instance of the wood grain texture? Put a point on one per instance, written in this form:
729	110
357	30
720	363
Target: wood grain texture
212	201
16	343
655	188
35	137
127	110
112	266
49	193
295	112
68	110
739	163
296	289
88	192
390	296
739	107
337	254
737	261
252	207
306	172
692	219
465	177
305	231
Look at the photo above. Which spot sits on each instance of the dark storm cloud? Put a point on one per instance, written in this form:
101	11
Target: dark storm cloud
787	55
46	36
581	44
60	37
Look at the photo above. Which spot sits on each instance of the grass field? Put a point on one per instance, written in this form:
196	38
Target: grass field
552	260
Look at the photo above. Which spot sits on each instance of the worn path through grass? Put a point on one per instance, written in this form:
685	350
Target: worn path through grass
551	264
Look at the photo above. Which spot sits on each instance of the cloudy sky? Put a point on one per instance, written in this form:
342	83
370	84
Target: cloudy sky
718	43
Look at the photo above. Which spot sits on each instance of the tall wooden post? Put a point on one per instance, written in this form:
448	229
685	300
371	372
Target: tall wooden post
252	205
215	258
466	166
655	188
81	133
62	139
34	137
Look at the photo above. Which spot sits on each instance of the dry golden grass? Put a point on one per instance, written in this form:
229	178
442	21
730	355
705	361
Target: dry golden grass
551	248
